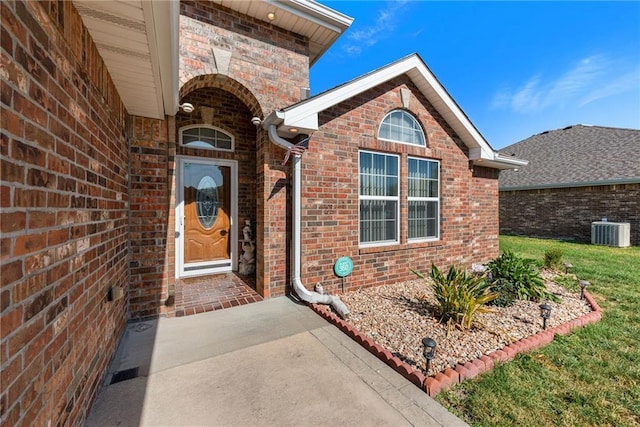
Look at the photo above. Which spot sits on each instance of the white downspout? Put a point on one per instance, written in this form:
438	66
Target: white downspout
296	282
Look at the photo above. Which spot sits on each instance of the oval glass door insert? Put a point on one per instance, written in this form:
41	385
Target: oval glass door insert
207	201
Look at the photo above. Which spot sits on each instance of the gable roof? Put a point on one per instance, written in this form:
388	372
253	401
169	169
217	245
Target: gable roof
578	155
303	116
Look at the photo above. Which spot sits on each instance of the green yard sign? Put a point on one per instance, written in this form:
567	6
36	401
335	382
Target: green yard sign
343	266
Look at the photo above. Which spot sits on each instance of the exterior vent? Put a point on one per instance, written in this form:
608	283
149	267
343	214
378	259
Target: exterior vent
611	233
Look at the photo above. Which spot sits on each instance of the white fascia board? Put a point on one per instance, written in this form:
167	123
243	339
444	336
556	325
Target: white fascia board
510	160
310	123
157	110
498	161
474	139
315	12
164	46
299	114
313	106
274	118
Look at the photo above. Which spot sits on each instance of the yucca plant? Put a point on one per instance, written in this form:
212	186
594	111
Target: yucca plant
515	278
460	295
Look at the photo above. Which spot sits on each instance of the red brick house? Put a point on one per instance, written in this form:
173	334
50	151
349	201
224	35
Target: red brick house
114	199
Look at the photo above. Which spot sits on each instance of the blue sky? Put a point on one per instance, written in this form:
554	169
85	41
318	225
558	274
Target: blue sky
515	68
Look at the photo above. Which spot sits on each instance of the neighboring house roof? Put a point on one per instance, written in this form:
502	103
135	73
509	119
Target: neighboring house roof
139	41
303	116
575	156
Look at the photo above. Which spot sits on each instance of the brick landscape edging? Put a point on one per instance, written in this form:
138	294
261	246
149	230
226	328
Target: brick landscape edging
432	385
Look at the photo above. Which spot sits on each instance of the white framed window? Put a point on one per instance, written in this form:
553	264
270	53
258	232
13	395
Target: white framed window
423	198
400	126
379	197
206	137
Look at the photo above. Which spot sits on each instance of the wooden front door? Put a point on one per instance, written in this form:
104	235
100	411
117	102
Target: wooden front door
207	217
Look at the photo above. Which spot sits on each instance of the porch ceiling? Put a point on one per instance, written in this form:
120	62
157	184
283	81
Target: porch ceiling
138	41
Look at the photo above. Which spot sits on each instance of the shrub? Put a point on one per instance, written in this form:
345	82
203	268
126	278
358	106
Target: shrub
552	258
515	278
460	295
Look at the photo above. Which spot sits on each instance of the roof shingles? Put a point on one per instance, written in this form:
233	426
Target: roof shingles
575	156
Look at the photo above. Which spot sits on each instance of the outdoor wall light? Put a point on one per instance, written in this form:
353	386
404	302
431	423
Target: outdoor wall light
429	350
271	16
545	313
187	107
583	285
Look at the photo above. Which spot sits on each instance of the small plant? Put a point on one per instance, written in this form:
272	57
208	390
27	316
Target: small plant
460	295
567	281
553	258
516	278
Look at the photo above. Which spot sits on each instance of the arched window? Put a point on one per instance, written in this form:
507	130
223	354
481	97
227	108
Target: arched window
400	126
206	137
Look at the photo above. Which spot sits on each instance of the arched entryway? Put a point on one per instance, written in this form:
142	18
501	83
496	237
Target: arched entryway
216	197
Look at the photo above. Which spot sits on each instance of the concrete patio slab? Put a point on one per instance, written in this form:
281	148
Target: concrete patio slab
273	362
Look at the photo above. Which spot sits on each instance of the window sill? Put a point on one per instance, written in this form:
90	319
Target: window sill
408	246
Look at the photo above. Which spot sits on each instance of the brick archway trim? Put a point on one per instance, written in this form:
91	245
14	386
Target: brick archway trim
226	83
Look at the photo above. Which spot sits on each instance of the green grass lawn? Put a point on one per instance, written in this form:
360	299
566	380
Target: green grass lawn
588	378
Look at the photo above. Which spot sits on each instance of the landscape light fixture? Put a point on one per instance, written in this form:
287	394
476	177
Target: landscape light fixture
545	313
567	266
583	285
429	350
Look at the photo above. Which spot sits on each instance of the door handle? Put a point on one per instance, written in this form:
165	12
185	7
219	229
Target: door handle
223	233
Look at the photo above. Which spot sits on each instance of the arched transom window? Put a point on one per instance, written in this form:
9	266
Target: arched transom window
206	137
400	126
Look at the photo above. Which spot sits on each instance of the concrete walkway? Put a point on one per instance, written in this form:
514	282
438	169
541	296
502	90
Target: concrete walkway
270	363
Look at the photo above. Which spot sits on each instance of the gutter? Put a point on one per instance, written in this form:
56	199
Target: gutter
493	159
296	244
621	181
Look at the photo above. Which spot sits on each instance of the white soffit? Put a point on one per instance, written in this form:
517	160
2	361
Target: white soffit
320	24
138	41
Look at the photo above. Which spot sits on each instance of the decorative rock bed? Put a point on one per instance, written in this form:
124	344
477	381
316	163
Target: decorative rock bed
391	321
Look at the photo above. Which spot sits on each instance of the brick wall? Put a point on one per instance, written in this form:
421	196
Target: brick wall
484	210
152	148
250	62
233	117
241	54
273	63
330	195
64	199
567	213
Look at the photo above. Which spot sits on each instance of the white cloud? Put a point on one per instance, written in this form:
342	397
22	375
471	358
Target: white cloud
360	39
528	96
589	79
578	79
624	83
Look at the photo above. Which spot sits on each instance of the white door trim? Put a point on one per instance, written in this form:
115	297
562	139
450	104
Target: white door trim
179	216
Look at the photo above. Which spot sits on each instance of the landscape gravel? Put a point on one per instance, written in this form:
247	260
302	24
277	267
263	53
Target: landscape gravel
399	316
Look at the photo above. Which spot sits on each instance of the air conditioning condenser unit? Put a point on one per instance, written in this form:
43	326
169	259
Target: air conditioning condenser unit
611	233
